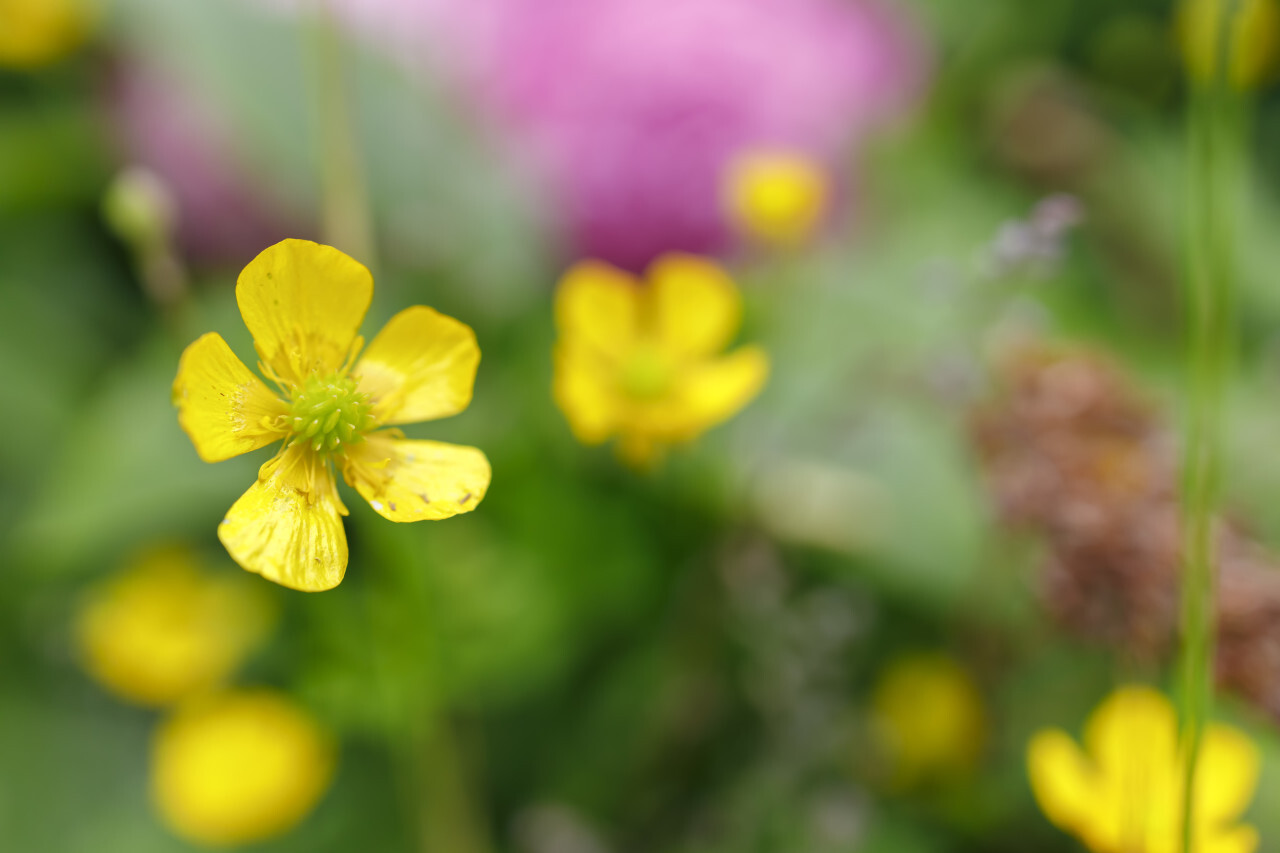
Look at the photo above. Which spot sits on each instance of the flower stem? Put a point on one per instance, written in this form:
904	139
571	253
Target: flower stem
346	219
1216	155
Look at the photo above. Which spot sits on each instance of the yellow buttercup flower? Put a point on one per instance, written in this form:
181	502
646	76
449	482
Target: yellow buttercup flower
776	197
642	361
37	32
303	303
1254	39
927	716
164	629
1123	793
239	767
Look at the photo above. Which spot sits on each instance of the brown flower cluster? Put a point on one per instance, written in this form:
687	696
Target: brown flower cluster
1073	453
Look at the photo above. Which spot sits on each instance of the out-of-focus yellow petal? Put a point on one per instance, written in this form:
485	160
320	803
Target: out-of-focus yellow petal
407	480
584	390
420	367
777	197
597	306
303	302
1132	726
1237	839
164	630
239	767
224	408
37	32
696	306
1255	40
714	391
1226	776
288	526
1062	778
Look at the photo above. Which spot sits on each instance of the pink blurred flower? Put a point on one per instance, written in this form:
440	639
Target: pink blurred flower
224	213
631	110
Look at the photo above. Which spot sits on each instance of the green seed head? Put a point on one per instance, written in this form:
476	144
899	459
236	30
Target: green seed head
329	413
647	375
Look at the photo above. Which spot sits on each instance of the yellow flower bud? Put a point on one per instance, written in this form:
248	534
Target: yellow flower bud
777	198
38	32
164	630
1254	39
238	767
927	715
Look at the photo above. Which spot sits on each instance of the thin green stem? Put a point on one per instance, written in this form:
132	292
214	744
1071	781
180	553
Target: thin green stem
1216	146
346	218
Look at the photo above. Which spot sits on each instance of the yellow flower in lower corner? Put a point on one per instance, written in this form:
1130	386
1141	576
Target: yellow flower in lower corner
238	767
164	629
304	303
776	197
927	716
37	32
1124	792
643	361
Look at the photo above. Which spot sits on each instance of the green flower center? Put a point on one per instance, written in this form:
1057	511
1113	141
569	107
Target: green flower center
646	374
329	413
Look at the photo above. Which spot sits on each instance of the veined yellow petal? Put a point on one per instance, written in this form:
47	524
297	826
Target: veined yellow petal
224	408
597	306
1062	778
583	388
714	391
303	302
696	306
1227	775
420	367
288	526
407	480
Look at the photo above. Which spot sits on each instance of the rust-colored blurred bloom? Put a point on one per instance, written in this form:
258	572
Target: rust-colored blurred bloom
643	362
1074	454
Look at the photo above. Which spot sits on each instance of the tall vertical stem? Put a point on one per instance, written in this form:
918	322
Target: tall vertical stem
1216	145
346	219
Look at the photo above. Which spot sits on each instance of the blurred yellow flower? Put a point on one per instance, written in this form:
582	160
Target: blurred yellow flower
37	32
777	198
642	361
1123	793
239	767
303	303
163	629
1255	39
927	716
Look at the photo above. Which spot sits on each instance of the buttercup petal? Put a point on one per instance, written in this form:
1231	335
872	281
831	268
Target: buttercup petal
222	406
1227	775
598	306
288	526
714	391
1134	729
303	302
583	388
1062	778
1238	839
420	367
407	480
696	306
